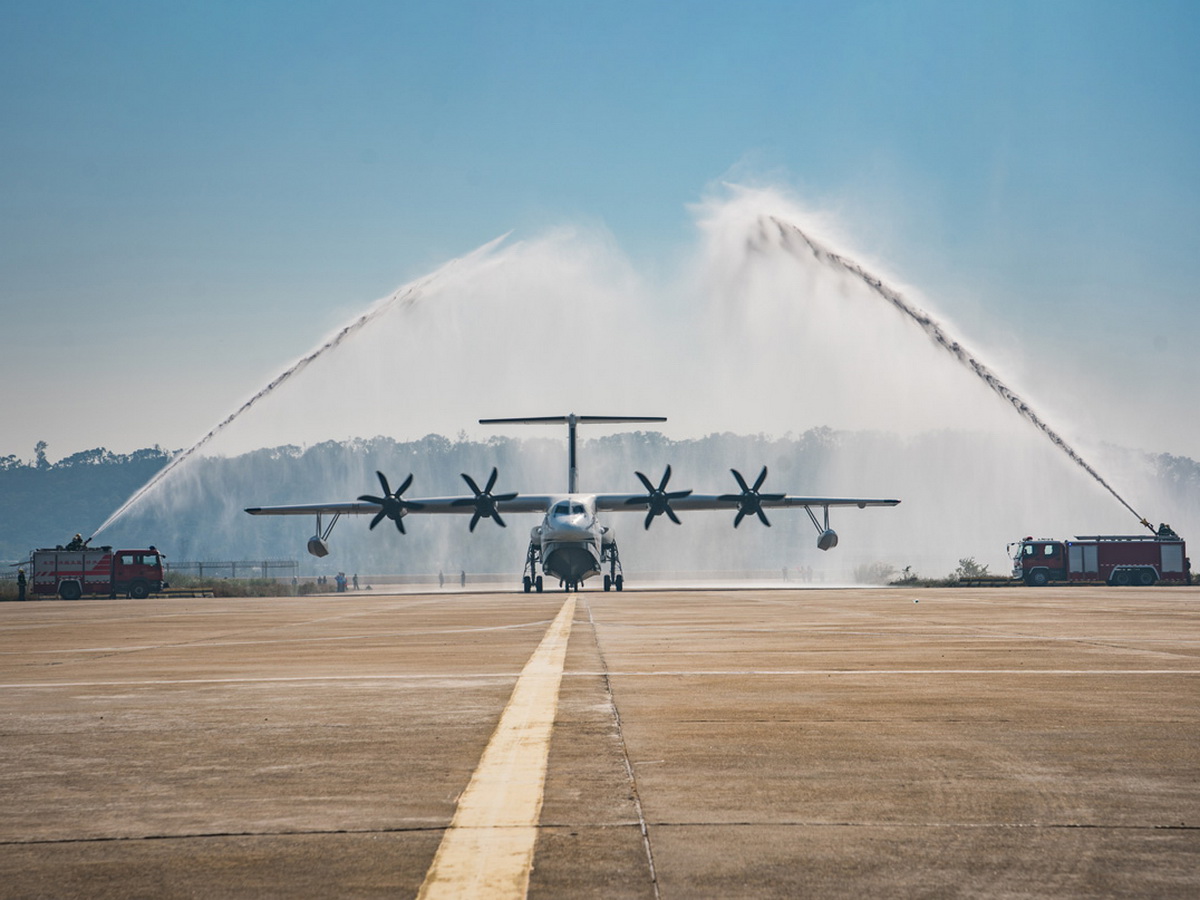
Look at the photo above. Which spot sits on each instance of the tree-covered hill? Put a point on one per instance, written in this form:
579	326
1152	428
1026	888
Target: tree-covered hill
44	504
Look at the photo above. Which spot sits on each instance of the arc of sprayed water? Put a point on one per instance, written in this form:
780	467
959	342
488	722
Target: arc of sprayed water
790	233
406	296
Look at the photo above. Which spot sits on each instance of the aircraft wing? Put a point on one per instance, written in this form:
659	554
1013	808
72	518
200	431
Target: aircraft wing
419	505
618	502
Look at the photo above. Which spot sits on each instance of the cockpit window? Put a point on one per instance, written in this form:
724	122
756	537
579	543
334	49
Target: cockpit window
566	508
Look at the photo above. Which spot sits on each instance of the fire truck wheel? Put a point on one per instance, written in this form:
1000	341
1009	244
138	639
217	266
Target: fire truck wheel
1038	578
69	590
1146	577
1121	577
139	590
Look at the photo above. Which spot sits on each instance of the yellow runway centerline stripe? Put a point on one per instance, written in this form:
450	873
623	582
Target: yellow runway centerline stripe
488	849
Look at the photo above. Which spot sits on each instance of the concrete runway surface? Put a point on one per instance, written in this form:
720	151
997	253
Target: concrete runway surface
1011	742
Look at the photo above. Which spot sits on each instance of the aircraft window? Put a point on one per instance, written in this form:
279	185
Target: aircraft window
569	509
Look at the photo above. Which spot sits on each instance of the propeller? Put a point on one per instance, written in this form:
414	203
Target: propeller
484	500
749	501
658	499
392	504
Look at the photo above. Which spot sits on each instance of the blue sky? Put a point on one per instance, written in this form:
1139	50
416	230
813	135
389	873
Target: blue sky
192	194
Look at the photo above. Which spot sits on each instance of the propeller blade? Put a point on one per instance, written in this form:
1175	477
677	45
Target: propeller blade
658	499
391	504
750	501
484	500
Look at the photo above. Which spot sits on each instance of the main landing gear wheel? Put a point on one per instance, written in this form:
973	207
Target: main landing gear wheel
619	582
537	584
608	582
527	584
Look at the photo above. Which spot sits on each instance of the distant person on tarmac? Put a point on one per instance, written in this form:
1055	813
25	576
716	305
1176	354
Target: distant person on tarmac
462	578
356	581
20	584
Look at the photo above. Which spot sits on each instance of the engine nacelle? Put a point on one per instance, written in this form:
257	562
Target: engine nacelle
827	540
317	547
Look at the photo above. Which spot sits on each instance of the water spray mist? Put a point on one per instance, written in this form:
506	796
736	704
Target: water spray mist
796	242
405	296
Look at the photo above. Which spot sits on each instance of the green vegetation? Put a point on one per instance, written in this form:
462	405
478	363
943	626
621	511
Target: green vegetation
237	587
968	572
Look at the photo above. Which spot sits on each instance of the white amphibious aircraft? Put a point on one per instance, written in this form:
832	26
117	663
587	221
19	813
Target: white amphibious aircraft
570	544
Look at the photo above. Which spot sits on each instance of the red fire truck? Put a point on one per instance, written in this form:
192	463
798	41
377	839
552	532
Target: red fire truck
1103	558
71	574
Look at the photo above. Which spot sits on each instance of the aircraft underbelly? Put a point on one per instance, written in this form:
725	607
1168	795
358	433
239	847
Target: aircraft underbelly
571	561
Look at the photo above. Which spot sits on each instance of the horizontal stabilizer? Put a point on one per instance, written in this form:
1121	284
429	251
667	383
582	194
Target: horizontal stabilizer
548	420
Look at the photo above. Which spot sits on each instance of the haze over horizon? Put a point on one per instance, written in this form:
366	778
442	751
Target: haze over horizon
195	196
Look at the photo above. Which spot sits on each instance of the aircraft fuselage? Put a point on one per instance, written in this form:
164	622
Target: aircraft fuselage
571	539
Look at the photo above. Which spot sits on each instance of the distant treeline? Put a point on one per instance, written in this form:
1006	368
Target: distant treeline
45	504
964	495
